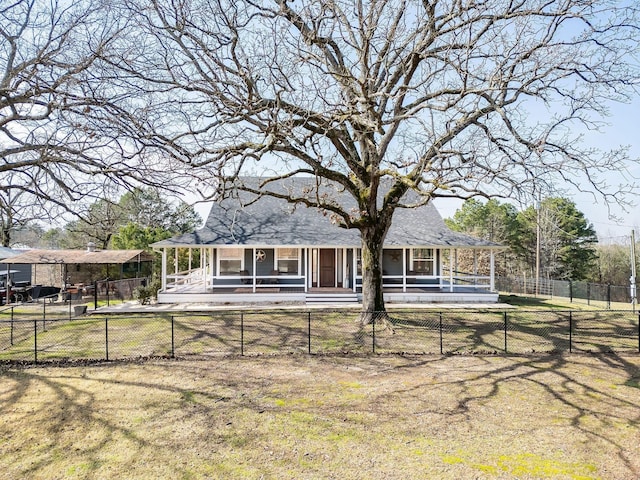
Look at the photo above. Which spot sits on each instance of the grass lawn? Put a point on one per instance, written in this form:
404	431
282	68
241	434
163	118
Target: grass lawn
317	417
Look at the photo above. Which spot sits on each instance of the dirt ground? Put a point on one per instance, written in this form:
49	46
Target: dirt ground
325	417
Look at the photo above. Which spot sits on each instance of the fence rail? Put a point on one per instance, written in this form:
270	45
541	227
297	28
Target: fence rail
319	332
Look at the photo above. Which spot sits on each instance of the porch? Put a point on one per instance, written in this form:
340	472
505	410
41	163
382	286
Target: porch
195	286
239	275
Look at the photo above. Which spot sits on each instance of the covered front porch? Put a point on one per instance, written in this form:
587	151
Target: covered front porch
240	275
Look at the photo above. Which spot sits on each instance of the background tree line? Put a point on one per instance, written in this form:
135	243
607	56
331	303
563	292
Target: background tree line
139	218
568	245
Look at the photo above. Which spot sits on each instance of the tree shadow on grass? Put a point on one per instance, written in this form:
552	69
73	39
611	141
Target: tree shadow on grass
170	419
159	421
56	423
588	395
41	426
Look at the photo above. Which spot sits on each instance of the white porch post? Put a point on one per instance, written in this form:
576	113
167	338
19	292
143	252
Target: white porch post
203	268
163	276
451	257
355	267
175	261
404	270
253	273
492	280
344	268
313	257
308	273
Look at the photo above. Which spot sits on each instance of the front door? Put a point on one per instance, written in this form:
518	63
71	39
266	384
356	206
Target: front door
327	267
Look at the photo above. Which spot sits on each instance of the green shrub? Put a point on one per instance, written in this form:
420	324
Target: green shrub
144	294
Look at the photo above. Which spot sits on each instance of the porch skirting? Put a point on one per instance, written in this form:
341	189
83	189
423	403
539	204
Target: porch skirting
441	297
231	297
272	297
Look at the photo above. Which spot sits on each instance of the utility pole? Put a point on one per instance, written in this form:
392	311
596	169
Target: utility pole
538	248
632	280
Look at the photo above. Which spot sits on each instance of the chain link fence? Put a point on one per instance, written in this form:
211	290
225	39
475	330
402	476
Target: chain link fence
318	332
114	291
583	292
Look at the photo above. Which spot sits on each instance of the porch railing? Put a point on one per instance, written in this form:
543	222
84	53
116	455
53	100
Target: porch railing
258	281
188	278
459	280
197	280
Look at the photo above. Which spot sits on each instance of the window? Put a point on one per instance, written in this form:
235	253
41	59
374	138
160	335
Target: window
231	261
288	261
422	261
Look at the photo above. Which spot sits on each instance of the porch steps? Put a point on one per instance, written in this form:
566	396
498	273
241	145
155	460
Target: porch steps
331	298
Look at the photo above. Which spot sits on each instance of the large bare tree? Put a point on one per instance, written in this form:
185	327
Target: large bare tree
55	147
443	98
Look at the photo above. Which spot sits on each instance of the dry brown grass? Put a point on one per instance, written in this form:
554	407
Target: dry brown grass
308	417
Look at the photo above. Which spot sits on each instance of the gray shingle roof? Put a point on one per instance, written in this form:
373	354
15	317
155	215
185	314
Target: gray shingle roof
269	221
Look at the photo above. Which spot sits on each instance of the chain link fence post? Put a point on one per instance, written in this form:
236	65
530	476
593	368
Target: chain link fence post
570	332
35	340
309	331
505	332
11	331
570	291
373	331
173	338
106	337
242	333
440	332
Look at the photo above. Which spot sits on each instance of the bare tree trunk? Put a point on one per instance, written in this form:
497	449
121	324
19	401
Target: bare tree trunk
372	296
5	237
373	308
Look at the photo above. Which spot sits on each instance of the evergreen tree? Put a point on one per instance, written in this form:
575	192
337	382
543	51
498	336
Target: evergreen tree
567	239
139	218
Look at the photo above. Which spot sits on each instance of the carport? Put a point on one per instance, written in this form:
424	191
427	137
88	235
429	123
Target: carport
74	271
